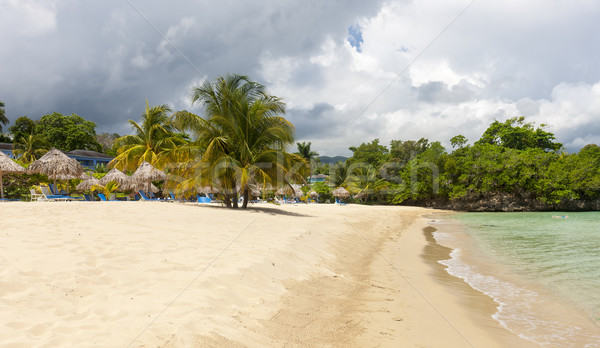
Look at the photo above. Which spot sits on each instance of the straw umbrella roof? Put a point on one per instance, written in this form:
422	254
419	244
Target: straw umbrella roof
87	184
313	194
54	164
146	172
340	192
142	186
294	191
7	165
117	176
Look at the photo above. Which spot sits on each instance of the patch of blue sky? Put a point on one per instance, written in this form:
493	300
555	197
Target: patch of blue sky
355	37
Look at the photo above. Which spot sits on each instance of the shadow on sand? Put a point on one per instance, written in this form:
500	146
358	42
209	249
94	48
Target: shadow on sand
254	209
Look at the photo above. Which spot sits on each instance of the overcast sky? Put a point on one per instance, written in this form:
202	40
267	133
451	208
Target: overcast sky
349	71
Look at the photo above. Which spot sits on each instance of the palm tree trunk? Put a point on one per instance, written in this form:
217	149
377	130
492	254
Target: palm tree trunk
246	195
1	187
234	196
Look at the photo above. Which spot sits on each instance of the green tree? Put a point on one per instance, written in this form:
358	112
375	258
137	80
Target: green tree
23	127
372	153
514	133
3	119
458	141
153	141
68	133
403	151
242	140
305	152
30	147
339	174
364	182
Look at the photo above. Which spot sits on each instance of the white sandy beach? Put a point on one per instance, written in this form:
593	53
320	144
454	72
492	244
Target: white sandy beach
154	274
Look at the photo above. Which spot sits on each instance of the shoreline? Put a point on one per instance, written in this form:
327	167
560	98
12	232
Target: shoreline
525	308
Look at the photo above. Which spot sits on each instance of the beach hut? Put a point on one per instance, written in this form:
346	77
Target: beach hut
146	173
7	166
340	192
56	165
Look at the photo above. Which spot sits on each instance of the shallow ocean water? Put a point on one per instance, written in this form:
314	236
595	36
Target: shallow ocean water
543	270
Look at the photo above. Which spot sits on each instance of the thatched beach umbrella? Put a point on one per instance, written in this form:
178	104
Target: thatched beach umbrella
143	186
313	194
293	191
122	179
7	166
146	173
56	164
340	192
87	184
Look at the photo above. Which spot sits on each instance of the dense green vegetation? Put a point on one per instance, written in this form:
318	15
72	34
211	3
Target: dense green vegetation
511	158
240	146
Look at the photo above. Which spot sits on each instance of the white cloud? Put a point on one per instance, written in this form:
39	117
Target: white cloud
498	60
27	18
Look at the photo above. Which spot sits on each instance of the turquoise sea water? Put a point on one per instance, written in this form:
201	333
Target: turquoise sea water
543	269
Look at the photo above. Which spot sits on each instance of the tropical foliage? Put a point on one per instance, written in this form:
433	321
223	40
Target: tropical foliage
153	139
29	148
3	119
68	133
241	141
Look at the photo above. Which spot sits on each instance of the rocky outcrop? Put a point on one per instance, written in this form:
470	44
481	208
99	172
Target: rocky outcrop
505	202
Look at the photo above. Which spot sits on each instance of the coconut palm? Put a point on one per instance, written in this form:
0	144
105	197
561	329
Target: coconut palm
305	152
242	140
154	135
363	181
31	147
339	174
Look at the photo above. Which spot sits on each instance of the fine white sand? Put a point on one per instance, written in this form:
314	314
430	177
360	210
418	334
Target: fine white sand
155	274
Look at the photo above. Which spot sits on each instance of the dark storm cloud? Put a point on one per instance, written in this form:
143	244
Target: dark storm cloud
317	121
103	60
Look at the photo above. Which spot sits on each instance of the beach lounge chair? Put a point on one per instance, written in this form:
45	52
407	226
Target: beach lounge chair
35	196
102	197
146	198
47	196
203	199
340	202
174	197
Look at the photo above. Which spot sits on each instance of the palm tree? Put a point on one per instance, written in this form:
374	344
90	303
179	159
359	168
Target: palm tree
363	181
305	151
154	137
339	174
241	141
31	147
3	119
